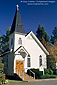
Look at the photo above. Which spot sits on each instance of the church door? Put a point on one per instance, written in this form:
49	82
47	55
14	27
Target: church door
19	66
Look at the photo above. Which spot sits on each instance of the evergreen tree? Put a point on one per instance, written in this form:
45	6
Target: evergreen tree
54	37
4	39
42	33
39	34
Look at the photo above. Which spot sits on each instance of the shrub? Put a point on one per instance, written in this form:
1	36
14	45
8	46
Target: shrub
37	73
55	71
2	78
46	71
47	76
50	71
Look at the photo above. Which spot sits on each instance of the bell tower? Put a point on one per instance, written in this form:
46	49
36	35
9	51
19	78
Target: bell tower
17	33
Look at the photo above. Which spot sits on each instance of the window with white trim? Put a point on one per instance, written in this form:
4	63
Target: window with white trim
28	61
40	60
20	41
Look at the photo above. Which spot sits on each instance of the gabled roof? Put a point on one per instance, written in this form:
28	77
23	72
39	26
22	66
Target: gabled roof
21	47
17	25
38	42
9	51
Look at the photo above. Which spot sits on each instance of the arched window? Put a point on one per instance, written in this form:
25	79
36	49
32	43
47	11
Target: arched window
20	41
28	61
40	60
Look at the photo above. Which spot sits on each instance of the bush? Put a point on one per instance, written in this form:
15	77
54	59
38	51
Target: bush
37	73
47	76
55	71
48	71
2	77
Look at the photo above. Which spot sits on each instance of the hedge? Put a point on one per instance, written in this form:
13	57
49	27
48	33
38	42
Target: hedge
47	76
54	71
37	73
48	71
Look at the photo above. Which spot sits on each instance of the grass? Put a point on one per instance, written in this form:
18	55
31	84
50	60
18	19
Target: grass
14	81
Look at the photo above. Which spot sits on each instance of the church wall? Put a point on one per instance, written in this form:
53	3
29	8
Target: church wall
9	63
5	64
35	51
32	48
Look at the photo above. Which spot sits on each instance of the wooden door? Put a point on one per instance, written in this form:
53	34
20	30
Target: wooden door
19	65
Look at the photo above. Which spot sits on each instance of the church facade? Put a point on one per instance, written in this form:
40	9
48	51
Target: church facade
25	51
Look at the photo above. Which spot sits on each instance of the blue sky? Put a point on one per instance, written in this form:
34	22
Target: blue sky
32	16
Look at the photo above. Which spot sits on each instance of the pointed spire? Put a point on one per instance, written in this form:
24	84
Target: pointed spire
17	7
17	25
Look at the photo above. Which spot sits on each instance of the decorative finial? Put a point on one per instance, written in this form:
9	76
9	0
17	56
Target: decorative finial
17	7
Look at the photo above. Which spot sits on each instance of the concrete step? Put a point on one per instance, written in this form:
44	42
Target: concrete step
27	77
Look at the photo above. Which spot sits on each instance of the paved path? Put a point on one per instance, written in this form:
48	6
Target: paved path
52	82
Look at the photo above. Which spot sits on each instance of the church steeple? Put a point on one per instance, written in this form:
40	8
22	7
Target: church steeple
17	25
17	7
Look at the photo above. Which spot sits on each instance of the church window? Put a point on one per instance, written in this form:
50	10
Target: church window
20	41
28	61
28	55
40	60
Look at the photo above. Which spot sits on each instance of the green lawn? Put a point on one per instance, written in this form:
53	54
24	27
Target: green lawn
14	81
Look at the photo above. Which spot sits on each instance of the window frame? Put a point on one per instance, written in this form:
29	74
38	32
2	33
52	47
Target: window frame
40	60
28	61
20	41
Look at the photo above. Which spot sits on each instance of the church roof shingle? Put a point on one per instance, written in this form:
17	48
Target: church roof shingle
17	25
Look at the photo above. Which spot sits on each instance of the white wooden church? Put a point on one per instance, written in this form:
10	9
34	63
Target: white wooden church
25	51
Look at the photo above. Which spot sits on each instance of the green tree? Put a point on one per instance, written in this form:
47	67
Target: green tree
4	39
1	64
42	33
38	32
54	37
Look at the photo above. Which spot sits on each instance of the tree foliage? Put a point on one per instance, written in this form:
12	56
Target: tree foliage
1	64
42	33
4	39
52	48
52	57
54	37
